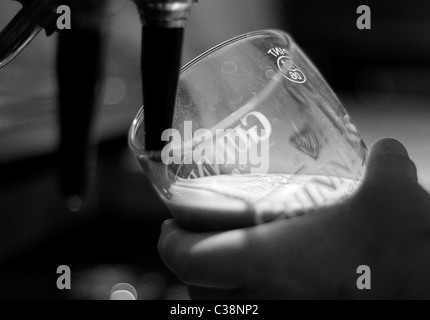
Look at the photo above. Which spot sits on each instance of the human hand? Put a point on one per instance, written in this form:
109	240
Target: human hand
385	225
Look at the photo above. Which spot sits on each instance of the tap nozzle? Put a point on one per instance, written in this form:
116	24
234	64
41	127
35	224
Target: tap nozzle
165	13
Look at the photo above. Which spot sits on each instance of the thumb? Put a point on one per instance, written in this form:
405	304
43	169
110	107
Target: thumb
389	163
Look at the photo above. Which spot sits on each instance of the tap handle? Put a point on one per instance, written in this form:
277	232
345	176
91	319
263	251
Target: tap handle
25	26
80	69
163	34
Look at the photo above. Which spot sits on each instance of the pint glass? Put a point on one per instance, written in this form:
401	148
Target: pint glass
258	135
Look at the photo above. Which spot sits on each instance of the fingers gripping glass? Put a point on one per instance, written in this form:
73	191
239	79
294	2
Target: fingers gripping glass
258	135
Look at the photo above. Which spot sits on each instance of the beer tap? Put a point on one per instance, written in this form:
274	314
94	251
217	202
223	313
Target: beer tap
163	30
25	26
80	67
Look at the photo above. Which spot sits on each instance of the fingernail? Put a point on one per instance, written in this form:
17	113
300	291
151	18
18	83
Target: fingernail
165	224
394	147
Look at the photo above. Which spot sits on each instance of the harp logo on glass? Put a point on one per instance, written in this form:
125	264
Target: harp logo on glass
243	147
